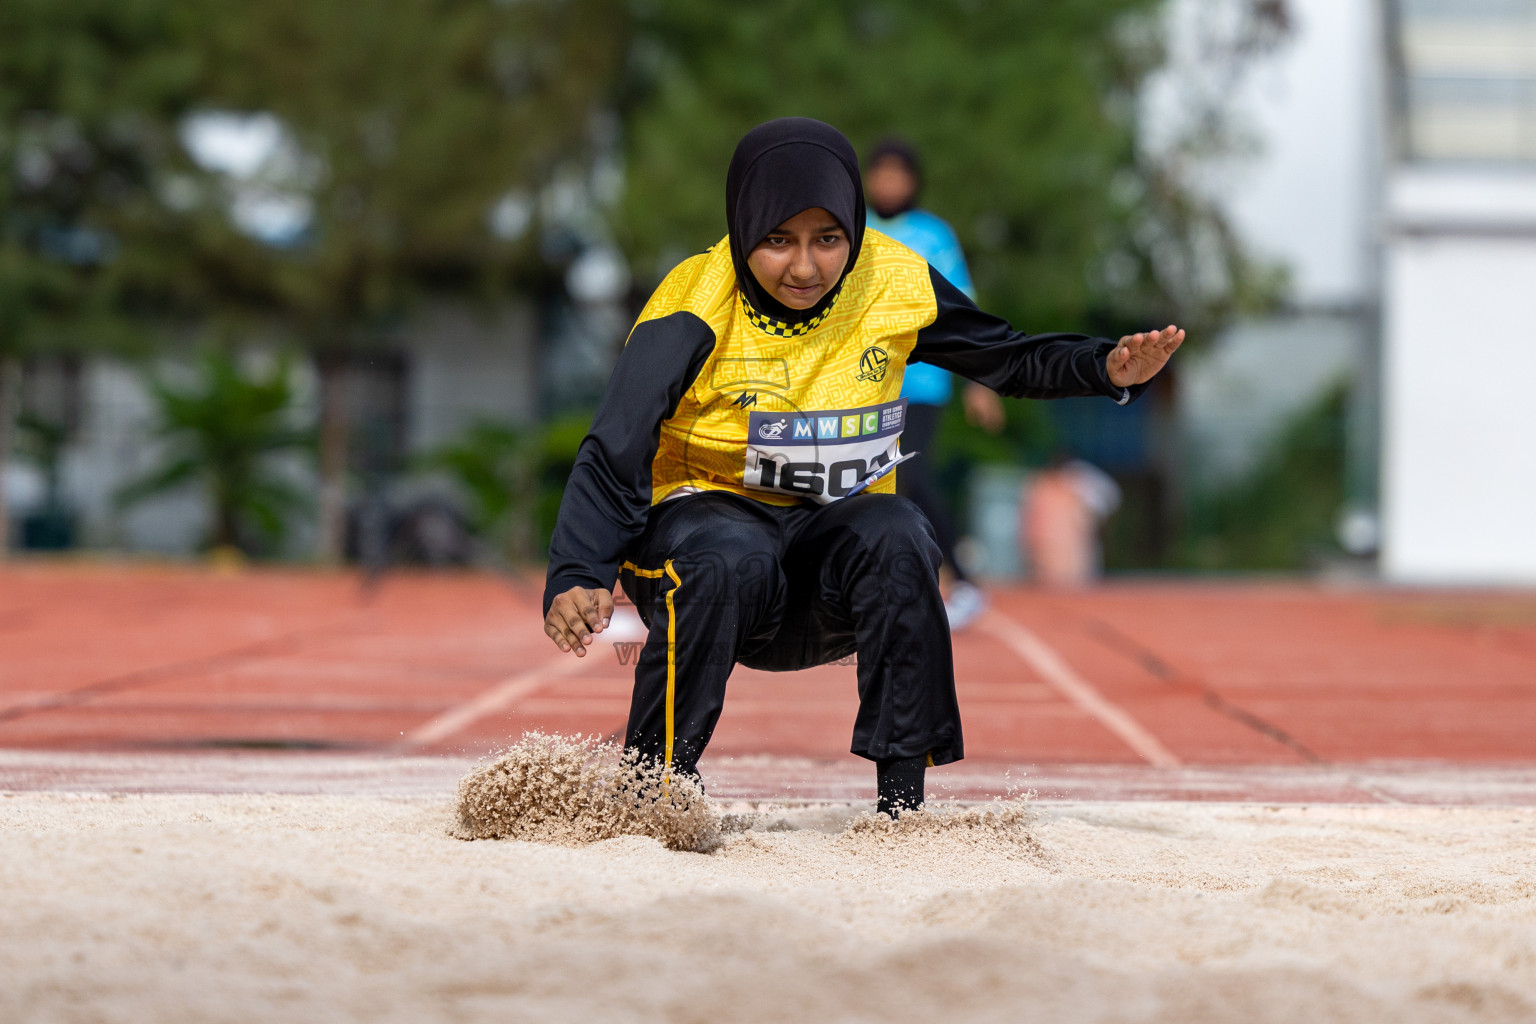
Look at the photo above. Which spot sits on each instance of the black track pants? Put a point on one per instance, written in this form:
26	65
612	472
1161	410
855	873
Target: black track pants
720	579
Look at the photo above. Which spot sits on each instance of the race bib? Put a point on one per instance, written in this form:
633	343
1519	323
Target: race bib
823	456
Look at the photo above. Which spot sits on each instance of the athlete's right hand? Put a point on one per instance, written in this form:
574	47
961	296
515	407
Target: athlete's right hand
576	616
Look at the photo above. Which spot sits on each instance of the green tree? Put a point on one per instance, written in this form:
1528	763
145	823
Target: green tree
89	93
1027	116
1031	119
221	434
407	125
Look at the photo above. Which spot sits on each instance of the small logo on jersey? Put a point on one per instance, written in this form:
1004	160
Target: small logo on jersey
873	363
772	431
746	399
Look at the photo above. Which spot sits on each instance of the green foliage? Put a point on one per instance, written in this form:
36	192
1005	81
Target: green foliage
1027	117
221	434
1281	516
496	466
406	123
406	127
513	478
562	440
89	93
1025	114
401	128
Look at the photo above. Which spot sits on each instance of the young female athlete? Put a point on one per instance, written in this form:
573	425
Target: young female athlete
738	478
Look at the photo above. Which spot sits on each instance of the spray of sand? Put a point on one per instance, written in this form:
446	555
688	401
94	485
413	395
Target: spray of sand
1009	820
1003	829
572	790
575	790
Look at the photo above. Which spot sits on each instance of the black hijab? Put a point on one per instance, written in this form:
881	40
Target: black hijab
781	168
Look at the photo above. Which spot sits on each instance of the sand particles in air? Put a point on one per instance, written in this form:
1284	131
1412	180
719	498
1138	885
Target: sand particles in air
573	790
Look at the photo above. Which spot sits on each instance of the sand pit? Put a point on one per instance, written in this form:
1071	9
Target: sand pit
251	908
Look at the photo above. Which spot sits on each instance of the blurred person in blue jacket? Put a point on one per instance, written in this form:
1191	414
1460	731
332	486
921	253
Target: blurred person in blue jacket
892	181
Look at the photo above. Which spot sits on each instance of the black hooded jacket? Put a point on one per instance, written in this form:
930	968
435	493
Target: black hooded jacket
719	387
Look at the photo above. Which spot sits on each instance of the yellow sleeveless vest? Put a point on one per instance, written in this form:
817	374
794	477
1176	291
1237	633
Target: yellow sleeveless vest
783	412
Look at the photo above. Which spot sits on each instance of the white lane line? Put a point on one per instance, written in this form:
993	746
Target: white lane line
625	626
497	698
1051	667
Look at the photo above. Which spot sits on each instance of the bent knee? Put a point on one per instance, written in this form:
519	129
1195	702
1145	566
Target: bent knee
894	521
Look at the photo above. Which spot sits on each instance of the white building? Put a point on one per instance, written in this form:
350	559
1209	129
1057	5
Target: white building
1459	293
1397	181
1303	197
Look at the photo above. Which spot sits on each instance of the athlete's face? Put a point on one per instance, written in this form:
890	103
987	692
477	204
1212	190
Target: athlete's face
801	259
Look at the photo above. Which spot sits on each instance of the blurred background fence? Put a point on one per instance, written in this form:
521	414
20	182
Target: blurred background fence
326	281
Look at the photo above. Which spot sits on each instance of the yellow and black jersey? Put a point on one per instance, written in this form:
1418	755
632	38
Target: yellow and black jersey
775	399
711	395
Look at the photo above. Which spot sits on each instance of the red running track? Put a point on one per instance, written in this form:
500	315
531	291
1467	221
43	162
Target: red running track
1216	690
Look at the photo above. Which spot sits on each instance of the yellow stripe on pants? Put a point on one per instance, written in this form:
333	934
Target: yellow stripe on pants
671	660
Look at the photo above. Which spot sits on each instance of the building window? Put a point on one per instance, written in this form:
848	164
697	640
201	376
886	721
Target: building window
1465	79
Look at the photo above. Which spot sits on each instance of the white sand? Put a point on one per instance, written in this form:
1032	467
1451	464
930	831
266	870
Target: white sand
243	908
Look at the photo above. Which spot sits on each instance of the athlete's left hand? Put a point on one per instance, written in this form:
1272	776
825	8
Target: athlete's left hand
577	616
1138	357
